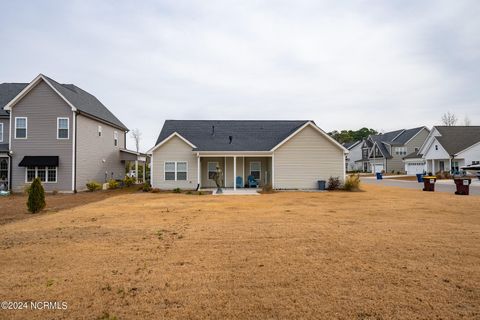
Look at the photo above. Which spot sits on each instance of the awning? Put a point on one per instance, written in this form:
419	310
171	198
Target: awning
39	161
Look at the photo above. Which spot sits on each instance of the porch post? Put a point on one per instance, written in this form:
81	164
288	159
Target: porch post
449	165
198	171
234	173
243	171
144	171
225	172
273	170
433	166
136	171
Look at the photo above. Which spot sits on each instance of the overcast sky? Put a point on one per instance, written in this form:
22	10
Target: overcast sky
380	64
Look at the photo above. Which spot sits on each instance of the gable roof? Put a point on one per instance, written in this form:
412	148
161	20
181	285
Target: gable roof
394	138
455	139
8	91
351	144
247	135
83	101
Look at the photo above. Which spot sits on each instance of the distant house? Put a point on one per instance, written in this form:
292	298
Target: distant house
59	133
386	151
448	148
354	157
284	154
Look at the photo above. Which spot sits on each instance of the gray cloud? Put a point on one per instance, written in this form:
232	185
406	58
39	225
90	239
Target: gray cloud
371	63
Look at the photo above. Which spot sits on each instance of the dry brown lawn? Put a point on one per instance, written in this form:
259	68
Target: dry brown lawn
387	253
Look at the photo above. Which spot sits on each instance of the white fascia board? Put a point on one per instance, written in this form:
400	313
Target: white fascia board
175	134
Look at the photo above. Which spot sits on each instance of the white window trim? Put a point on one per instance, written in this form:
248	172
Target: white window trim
68	127
175	170
115	139
1	131
46	175
26	128
208	171
250	167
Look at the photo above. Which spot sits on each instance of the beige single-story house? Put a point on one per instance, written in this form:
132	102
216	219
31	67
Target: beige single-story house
283	154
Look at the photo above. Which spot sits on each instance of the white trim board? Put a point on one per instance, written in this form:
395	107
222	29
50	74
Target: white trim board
32	85
175	134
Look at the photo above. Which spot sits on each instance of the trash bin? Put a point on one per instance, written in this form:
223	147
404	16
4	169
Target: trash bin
379	176
429	183
420	177
463	186
321	184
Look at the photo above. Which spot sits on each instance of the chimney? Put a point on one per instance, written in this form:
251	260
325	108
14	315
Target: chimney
230	138
213	130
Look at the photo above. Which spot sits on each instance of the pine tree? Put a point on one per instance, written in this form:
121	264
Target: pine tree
36	196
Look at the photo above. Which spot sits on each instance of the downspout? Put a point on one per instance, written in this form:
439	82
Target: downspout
10	171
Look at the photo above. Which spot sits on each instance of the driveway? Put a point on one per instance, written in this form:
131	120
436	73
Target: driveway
441	186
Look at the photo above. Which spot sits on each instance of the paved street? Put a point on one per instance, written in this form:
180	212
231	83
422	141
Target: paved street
441	186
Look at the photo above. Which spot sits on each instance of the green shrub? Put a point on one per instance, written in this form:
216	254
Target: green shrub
333	183
36	196
112	184
177	190
128	181
155	190
146	187
93	186
352	183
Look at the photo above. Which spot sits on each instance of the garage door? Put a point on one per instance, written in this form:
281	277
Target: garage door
415	167
378	167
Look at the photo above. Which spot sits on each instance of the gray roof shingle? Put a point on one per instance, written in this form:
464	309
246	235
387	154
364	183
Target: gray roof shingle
247	135
8	91
458	138
81	99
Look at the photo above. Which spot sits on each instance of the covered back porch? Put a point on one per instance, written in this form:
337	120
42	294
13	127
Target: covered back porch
236	170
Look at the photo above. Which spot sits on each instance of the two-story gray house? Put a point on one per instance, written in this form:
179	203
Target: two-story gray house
59	133
386	151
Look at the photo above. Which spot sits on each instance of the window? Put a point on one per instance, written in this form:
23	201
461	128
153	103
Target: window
3	169
182	171
175	171
99	131
212	169
1	132
169	170
400	151
21	128
115	138
46	174
255	168
62	128
475	162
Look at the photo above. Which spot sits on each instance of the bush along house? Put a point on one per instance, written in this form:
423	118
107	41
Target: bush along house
59	133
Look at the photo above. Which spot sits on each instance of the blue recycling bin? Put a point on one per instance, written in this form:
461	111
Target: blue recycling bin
379	176
420	177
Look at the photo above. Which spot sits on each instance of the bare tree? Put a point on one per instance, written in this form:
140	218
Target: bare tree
449	119
136	135
467	121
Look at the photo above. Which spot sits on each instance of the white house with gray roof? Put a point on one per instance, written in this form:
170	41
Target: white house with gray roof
59	133
448	148
284	154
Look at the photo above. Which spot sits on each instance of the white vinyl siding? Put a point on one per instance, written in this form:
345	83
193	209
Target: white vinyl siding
306	158
63	128
21	127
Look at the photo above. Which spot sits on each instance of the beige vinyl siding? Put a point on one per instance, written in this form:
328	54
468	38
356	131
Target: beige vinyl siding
97	155
305	158
174	149
42	106
6	129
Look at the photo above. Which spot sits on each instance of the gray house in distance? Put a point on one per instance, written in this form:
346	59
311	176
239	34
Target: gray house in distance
59	133
284	154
